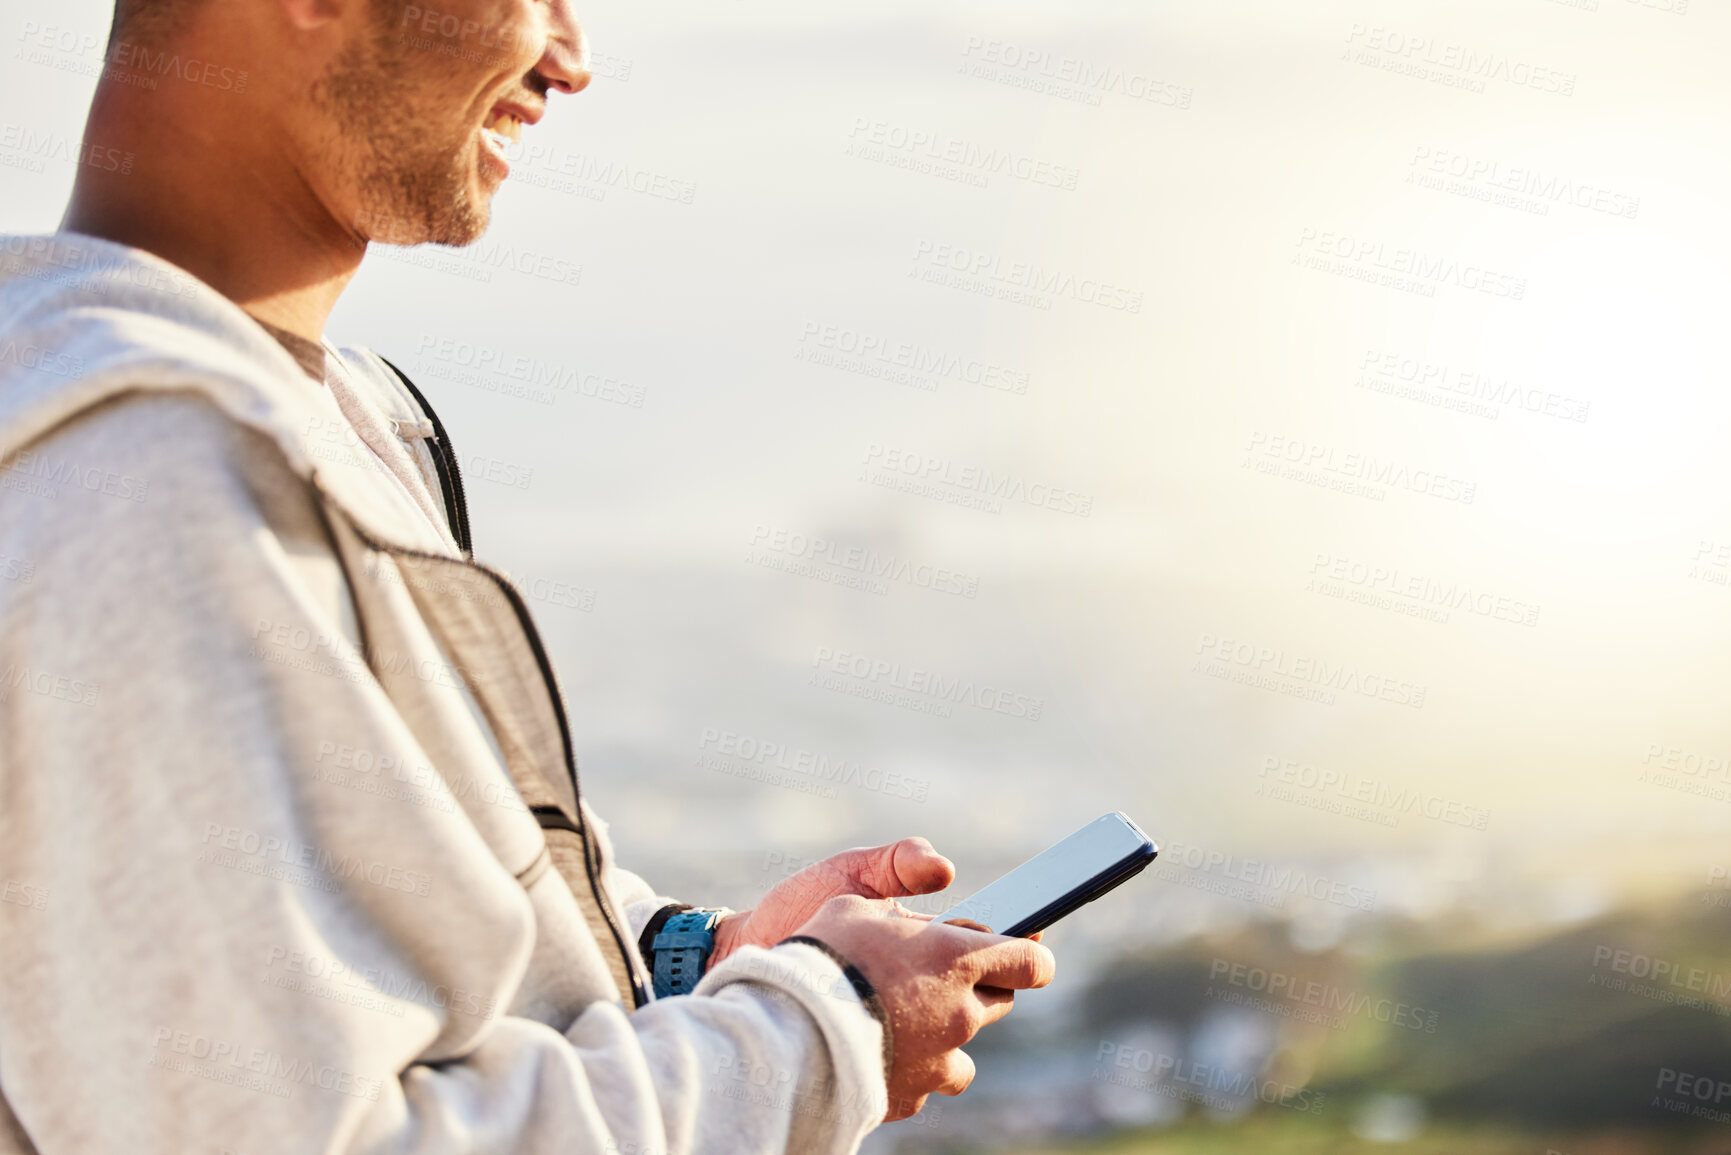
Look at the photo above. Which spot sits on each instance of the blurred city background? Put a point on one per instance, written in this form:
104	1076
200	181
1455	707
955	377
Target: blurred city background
1301	427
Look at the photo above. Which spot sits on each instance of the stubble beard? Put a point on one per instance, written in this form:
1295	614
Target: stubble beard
412	189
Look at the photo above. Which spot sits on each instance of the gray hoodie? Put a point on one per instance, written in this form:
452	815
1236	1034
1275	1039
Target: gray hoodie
292	854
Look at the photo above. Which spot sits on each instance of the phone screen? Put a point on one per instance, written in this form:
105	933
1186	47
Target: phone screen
1057	880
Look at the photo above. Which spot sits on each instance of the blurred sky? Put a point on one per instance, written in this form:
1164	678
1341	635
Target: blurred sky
740	192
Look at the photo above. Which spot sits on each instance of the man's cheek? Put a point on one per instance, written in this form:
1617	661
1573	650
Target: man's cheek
514	39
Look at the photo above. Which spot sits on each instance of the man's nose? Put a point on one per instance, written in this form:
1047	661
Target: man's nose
565	63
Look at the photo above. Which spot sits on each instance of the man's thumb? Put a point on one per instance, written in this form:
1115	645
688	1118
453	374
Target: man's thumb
919	868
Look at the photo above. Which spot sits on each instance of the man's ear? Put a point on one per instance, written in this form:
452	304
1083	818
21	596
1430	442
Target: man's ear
311	15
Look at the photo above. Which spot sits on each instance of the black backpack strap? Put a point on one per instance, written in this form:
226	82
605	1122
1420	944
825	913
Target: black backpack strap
445	461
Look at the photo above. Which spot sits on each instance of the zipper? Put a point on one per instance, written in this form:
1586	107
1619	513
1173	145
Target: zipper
445	463
457	513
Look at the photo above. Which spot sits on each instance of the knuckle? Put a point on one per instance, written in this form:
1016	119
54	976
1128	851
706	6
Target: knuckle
1036	966
956	1030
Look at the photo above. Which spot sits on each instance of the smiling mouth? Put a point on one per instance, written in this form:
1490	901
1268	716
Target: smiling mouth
502	128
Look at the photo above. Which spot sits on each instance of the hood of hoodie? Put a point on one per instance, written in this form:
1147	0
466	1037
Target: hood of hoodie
84	321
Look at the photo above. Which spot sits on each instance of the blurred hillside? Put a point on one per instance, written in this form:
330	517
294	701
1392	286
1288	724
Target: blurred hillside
1610	1035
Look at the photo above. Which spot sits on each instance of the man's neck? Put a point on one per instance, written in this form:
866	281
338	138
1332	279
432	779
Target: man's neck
239	216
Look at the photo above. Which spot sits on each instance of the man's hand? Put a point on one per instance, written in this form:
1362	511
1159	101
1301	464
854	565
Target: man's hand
939	982
900	869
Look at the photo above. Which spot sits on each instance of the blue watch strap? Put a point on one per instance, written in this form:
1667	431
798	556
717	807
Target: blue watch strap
681	949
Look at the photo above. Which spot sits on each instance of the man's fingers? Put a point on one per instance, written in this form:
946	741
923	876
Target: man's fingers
958	1072
996	1001
1015	964
967	924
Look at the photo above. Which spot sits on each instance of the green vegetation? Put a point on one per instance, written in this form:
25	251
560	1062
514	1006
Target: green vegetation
1610	1037
1574	1030
1269	1135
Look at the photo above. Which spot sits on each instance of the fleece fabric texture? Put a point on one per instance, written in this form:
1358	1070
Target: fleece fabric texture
292	852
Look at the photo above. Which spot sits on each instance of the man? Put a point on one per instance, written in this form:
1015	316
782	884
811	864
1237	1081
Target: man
292	852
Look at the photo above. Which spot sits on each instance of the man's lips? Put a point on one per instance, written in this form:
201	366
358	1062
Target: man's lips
503	127
507	118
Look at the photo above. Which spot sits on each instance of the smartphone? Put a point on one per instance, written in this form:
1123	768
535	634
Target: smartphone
1103	854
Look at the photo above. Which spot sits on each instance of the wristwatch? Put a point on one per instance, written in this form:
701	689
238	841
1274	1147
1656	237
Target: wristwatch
682	948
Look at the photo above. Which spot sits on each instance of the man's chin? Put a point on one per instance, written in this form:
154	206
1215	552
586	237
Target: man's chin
469	226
